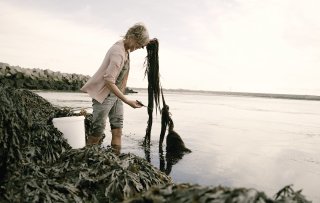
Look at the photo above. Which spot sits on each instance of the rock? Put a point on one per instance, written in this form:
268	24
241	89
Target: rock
48	72
189	193
42	74
19	75
128	90
27	73
14	70
40	79
3	65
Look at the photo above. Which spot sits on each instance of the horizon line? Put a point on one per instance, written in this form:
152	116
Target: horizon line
238	93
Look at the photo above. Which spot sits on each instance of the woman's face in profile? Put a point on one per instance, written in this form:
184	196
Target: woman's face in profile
134	45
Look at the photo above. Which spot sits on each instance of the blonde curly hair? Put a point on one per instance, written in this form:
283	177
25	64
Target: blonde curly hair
139	33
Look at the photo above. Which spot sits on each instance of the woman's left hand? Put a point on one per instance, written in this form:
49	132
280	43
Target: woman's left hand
134	104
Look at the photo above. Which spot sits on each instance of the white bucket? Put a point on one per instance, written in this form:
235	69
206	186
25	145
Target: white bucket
73	130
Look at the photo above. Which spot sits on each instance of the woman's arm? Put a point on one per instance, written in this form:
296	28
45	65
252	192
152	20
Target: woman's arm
120	95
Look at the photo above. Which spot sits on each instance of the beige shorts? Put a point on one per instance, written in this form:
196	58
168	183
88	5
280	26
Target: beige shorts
111	107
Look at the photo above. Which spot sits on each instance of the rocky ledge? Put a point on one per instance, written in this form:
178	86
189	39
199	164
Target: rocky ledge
39	79
15	76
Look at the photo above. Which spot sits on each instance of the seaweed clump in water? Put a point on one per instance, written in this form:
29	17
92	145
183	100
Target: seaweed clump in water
38	165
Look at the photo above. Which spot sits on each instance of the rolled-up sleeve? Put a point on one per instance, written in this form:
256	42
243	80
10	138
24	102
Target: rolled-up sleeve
114	68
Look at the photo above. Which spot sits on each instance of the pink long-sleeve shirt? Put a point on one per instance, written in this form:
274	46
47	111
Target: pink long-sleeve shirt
112	65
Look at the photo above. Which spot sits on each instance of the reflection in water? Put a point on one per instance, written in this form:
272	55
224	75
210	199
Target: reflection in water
146	148
171	159
166	162
175	150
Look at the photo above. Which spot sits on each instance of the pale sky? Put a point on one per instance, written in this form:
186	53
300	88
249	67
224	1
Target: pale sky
220	45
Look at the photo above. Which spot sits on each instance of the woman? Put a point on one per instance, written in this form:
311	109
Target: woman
106	87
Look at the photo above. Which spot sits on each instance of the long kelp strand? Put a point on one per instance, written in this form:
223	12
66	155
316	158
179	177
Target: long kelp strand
152	70
165	120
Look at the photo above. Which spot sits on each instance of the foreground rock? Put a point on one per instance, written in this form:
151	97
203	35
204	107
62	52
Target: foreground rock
38	165
26	131
90	174
188	193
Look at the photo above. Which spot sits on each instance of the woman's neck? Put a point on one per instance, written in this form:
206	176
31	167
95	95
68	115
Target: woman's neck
126	44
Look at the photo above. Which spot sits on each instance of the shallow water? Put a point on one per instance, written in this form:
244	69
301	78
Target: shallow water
235	141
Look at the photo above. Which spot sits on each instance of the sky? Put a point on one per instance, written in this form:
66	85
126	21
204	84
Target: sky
219	45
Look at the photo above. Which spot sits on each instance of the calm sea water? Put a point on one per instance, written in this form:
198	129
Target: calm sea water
235	141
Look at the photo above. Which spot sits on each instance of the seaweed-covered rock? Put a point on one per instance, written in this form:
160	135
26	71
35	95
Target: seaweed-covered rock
38	165
188	193
26	134
90	174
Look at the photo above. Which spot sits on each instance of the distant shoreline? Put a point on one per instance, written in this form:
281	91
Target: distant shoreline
244	94
38	79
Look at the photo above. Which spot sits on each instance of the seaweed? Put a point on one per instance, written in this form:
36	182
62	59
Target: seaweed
26	131
152	71
174	142
165	120
90	174
38	165
287	194
189	193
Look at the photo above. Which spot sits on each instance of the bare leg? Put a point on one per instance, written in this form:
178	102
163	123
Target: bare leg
116	140
116	136
93	140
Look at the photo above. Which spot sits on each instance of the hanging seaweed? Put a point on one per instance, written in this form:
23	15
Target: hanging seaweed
175	144
152	71
174	141
165	120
